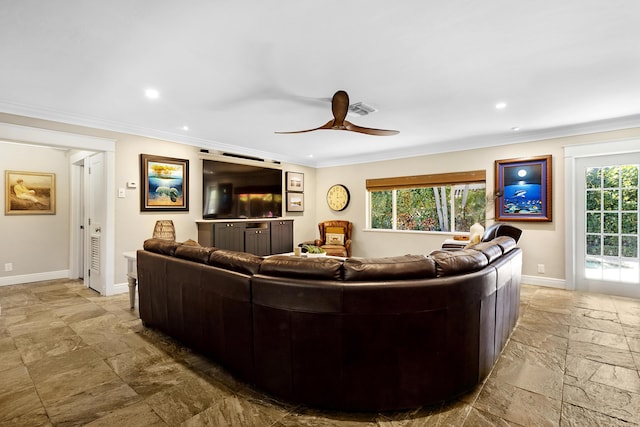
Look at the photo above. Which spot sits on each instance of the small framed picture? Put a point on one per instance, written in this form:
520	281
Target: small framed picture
523	189
295	182
164	183
295	202
30	193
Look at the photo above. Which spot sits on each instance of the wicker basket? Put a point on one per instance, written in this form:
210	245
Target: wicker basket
165	230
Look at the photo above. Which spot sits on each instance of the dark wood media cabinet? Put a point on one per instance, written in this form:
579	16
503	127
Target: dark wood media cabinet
259	236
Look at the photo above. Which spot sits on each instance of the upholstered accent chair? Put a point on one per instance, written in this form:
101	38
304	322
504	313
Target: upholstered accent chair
335	237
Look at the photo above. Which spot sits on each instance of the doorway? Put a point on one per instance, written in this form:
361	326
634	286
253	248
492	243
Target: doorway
94	221
605	225
77	143
89	216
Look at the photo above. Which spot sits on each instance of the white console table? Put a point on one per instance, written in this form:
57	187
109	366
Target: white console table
132	276
454	244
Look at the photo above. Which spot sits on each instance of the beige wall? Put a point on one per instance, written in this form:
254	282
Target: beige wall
542	243
30	249
547	235
35	243
133	226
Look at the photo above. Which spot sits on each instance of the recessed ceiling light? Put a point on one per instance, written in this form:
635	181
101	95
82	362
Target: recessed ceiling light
152	93
501	105
515	128
185	127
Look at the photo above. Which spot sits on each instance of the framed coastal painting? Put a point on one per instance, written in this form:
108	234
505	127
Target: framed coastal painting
164	183
295	181
295	202
523	189
30	193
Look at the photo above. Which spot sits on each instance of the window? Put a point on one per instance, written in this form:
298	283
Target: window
438	202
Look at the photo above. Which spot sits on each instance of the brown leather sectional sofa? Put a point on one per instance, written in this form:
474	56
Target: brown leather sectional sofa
355	334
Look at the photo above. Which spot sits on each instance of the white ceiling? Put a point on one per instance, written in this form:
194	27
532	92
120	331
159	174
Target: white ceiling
236	71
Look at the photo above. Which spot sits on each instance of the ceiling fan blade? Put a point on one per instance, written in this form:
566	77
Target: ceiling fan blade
369	131
327	125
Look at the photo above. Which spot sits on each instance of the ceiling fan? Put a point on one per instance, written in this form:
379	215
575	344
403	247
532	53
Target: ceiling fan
340	107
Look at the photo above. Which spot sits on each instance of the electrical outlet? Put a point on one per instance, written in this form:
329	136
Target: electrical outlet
541	268
8	266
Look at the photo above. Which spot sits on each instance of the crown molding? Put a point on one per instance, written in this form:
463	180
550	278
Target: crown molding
423	149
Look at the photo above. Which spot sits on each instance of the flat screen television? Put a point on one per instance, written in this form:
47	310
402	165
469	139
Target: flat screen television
235	191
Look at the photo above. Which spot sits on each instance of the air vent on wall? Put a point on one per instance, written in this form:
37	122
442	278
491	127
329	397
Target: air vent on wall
95	253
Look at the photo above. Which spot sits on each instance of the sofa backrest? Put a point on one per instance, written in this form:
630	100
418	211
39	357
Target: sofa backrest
390	268
241	262
320	268
406	267
161	246
453	263
199	254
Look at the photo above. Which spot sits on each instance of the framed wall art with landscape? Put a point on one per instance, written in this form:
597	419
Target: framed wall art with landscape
295	182
30	193
295	202
164	183
523	189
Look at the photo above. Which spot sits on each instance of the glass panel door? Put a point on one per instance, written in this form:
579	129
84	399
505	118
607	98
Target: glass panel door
607	225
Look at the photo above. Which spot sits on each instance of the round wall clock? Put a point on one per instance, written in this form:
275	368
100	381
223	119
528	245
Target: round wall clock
338	197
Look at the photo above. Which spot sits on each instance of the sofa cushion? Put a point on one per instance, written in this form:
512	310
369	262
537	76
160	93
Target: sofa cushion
389	268
240	262
451	263
161	246
319	268
491	250
505	242
198	254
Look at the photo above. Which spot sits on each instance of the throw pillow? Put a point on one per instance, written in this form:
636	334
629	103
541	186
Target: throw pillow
335	239
334	235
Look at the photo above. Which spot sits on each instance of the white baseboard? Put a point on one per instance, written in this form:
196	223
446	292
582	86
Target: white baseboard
544	281
35	277
118	288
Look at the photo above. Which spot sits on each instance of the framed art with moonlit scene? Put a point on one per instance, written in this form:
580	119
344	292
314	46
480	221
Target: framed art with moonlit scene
523	189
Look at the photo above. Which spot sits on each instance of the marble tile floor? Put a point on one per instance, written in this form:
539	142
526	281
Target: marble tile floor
71	357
